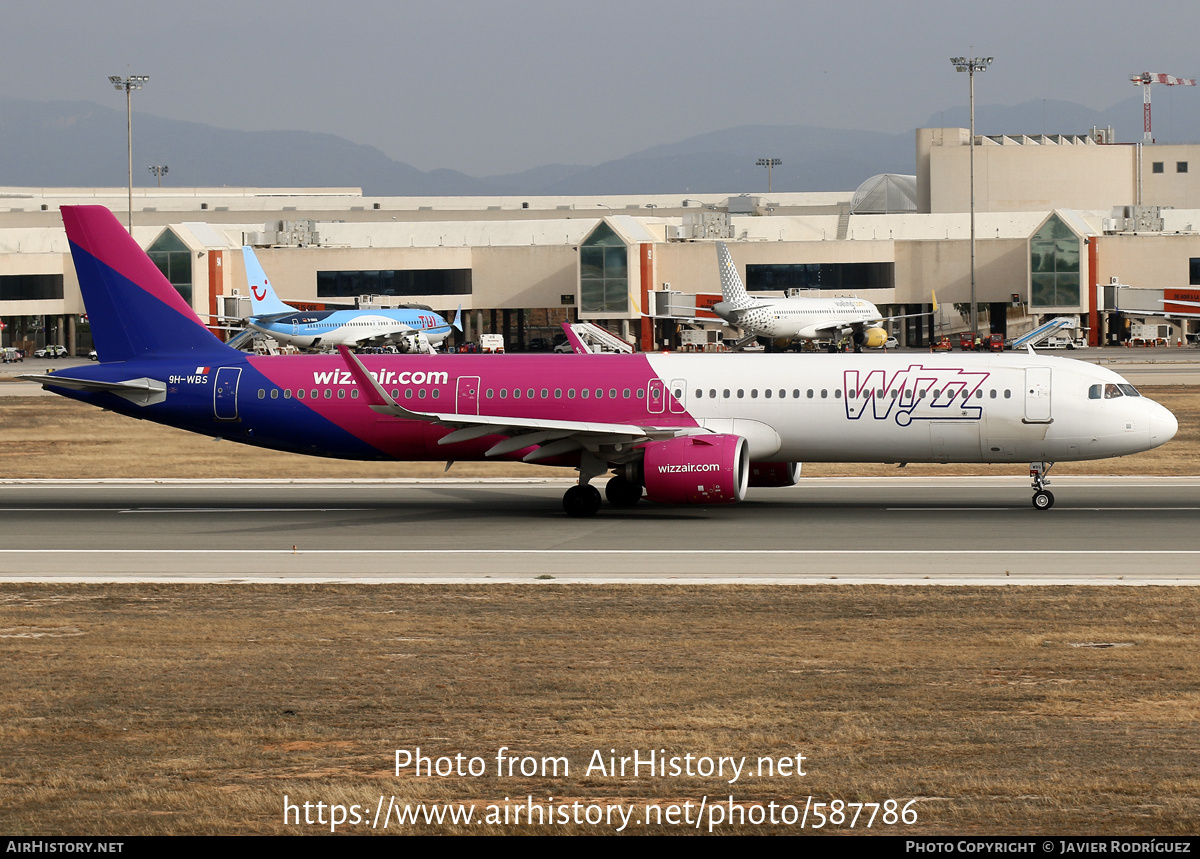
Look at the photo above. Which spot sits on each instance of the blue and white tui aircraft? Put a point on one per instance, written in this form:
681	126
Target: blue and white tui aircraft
675	429
326	329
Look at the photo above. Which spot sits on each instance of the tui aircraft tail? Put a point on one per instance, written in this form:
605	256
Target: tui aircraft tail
134	311
263	300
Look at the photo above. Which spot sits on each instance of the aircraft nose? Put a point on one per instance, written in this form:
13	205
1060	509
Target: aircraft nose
1163	425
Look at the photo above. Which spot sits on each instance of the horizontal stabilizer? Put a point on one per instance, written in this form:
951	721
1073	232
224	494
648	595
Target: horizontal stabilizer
142	392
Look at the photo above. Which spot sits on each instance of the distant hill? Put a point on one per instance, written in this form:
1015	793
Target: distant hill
83	144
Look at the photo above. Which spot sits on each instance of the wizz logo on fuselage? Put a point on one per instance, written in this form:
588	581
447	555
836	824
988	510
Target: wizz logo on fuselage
918	393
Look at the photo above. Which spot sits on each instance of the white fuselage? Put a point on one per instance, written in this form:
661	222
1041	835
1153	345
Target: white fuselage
805	318
923	408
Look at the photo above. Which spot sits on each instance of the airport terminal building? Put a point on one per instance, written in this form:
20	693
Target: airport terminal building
1065	226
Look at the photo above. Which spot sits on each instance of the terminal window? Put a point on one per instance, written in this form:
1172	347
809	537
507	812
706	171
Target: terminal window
1156	167
603	272
1054	265
437	281
174	260
31	287
773	277
1180	166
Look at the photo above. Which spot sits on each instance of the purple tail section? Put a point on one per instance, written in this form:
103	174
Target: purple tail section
134	311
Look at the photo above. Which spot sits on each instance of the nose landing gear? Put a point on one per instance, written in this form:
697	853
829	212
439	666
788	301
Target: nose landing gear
1043	498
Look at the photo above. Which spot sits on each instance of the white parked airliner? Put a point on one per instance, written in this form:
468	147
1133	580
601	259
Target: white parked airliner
798	318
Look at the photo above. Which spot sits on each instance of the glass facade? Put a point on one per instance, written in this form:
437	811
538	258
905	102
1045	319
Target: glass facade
1054	265
30	287
436	281
174	260
824	275
604	273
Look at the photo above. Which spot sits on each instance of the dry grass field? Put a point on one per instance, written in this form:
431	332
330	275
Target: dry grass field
57	438
158	709
196	709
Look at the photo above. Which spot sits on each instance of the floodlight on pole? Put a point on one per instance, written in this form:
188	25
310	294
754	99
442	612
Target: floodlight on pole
768	163
129	84
970	66
158	170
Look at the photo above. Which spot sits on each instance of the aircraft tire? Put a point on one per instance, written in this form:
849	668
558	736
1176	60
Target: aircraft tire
622	492
1043	499
581	501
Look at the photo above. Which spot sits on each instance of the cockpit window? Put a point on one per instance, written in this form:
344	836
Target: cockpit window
1111	391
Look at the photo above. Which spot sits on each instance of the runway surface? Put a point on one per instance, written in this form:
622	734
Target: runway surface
967	530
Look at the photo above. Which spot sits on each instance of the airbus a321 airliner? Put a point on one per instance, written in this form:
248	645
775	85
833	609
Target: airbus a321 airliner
678	429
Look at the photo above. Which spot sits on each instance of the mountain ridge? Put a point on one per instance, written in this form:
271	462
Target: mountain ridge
82	144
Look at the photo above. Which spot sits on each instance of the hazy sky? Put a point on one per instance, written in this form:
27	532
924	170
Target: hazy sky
496	87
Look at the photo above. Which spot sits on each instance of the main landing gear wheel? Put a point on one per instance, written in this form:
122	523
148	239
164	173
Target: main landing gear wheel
1043	500
622	492
581	501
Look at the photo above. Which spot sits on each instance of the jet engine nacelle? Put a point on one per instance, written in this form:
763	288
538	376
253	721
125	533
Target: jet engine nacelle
874	338
697	469
774	473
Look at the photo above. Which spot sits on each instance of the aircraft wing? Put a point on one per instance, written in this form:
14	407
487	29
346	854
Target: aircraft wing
905	316
553	437
933	295
838	327
1181	304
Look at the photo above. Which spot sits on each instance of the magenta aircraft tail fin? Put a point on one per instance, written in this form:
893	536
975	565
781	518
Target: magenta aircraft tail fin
133	309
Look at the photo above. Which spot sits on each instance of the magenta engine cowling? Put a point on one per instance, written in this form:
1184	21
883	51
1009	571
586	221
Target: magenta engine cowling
696	469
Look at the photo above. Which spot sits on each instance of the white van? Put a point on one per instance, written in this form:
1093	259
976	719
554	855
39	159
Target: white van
491	344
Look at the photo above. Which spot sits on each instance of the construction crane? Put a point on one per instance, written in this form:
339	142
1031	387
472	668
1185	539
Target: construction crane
1147	78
